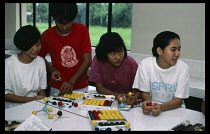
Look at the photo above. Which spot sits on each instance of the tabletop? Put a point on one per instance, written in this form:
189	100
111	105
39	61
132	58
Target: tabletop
77	119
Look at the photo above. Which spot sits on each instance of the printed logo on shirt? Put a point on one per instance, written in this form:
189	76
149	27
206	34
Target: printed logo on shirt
162	92
163	86
68	57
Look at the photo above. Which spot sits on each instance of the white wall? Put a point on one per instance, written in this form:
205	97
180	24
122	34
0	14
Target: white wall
186	19
12	22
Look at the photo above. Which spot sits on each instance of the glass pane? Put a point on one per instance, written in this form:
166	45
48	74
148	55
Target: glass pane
81	16
42	10
29	13
121	21
98	21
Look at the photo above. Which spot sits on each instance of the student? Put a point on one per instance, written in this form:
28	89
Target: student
68	44
25	72
163	78
112	70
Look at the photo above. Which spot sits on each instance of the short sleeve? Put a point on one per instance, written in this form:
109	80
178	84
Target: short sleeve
43	52
43	75
134	67
95	71
141	80
7	80
182	90
86	45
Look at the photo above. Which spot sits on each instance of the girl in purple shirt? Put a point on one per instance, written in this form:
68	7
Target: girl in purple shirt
112	70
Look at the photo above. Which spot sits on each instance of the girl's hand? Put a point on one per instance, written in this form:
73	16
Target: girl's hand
147	109
130	99
120	98
156	110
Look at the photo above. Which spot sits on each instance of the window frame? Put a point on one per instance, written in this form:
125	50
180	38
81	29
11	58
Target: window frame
109	15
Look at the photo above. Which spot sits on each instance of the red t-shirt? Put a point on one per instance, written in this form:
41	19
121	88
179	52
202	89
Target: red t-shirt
66	52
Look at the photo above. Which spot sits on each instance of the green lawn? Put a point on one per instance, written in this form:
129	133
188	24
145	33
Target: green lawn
97	31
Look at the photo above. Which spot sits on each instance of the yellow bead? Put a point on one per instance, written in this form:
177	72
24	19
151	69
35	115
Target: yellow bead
50	109
45	99
200	130
130	93
106	117
50	116
127	124
120	98
115	117
34	112
93	122
120	117
102	117
65	95
6	129
68	96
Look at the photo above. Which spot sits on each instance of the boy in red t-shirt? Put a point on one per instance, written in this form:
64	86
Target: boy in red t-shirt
69	46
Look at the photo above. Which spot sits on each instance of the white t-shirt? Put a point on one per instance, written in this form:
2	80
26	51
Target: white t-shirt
163	84
24	79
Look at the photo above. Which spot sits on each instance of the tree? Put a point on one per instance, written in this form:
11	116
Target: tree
81	16
42	11
98	14
122	14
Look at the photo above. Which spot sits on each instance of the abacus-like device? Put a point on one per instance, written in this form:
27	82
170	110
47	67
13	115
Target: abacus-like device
97	101
108	120
68	99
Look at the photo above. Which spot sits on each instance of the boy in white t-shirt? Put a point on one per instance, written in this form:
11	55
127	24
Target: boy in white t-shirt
25	72
163	78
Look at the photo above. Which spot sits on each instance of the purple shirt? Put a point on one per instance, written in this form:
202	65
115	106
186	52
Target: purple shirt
117	79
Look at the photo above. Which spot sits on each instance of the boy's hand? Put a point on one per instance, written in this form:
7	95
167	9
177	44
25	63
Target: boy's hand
66	87
56	76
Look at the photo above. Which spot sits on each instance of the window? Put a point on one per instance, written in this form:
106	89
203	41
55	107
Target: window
98	21
121	21
96	16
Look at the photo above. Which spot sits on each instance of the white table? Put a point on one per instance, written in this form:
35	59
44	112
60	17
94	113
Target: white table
80	122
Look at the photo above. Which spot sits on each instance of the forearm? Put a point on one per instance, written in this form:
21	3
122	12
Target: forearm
137	93
42	93
18	99
145	96
175	103
102	90
82	69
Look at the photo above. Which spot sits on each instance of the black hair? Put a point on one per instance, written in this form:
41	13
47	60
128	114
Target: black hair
162	40
109	42
63	11
26	37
